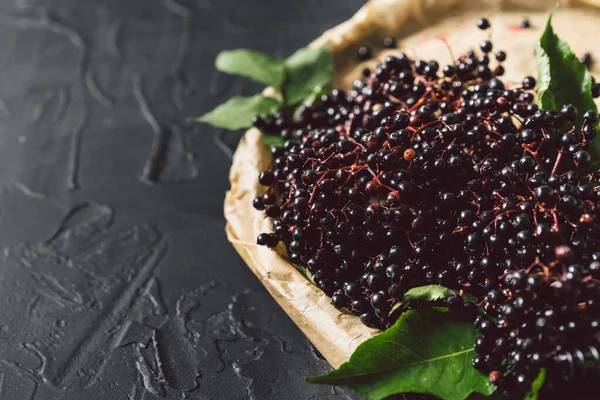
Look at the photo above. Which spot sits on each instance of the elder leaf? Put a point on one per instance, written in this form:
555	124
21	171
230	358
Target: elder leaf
237	112
426	351
563	79
252	64
428	293
306	71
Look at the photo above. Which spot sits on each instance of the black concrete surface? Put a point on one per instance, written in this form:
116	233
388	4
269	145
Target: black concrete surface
116	278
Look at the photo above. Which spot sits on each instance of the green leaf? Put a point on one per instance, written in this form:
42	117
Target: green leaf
562	78
237	112
426	351
252	64
536	386
306	272
428	293
272	140
306	71
282	251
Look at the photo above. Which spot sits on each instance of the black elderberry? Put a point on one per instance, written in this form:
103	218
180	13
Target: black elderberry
258	204
486	46
379	302
368	319
586	60
273	211
265	239
454	302
360	305
546	195
268	198
486	327
529	82
527	163
582	158
449	71
528	136
483	23
266	178
339	300
590	117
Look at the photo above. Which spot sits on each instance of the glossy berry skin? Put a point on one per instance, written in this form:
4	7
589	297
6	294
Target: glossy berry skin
483	23
486	46
586	60
546	195
266	178
258	204
480	364
529	82
258	122
273	211
265	239
339	300
582	158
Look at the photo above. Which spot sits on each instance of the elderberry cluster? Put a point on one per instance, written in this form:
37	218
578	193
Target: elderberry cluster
545	316
424	174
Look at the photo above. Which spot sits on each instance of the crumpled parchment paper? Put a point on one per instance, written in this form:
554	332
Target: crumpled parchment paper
423	27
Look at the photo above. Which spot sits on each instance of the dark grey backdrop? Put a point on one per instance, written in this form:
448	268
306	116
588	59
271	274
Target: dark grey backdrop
116	279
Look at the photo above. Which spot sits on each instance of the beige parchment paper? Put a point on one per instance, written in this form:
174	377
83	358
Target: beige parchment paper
423	27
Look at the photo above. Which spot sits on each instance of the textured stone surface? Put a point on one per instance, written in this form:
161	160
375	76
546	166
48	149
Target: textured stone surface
116	279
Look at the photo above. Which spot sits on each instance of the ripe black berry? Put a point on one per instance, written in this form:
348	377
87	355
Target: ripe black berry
529	82
266	178
586	60
258	204
483	23
590	117
265	239
582	158
486	46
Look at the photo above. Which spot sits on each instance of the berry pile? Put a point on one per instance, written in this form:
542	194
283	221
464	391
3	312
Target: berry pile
426	175
547	315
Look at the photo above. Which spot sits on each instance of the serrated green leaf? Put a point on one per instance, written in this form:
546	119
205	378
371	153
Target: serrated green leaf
426	351
252	64
307	274
237	112
428	293
306	71
563	79
282	251
536	386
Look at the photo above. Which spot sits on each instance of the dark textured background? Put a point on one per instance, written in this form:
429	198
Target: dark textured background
117	281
